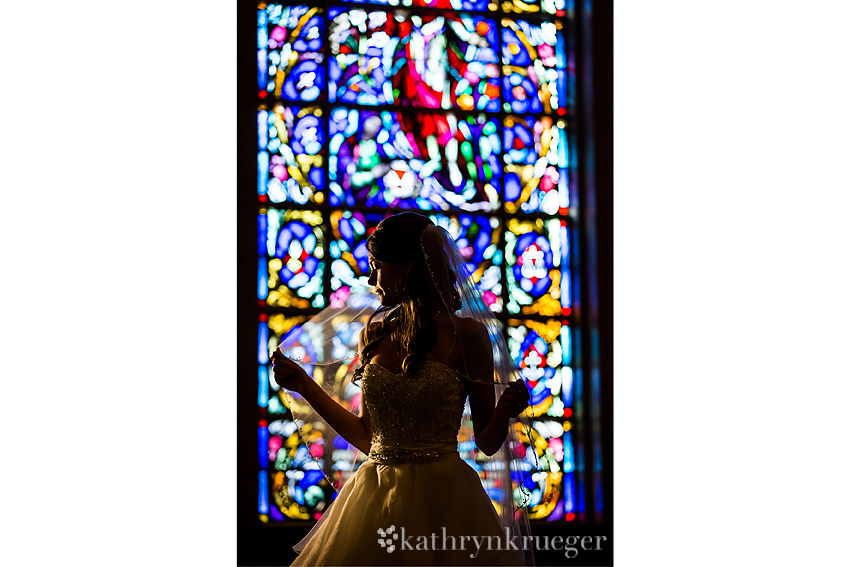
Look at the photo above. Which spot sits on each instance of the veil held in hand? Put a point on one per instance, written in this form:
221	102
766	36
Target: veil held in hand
327	348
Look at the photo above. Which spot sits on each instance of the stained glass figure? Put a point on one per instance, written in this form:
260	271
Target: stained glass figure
428	61
414	160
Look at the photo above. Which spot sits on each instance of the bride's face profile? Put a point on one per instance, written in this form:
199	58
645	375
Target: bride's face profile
388	280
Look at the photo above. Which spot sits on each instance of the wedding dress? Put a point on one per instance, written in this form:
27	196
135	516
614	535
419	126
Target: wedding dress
414	501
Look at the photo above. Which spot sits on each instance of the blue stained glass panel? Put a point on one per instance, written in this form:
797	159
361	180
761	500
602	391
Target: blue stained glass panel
291	146
263	493
262	340
291	62
569	460
263	442
534	250
536	165
263	386
294	246
534	77
263	279
537	351
569	493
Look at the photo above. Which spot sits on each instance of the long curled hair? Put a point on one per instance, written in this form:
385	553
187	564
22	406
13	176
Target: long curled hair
397	240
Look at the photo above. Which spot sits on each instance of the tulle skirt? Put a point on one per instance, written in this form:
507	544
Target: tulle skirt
423	513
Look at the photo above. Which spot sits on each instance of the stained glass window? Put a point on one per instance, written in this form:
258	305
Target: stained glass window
461	109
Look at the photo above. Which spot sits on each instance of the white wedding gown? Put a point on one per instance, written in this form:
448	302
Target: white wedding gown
425	500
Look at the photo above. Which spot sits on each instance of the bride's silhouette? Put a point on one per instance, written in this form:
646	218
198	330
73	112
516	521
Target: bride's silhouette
415	501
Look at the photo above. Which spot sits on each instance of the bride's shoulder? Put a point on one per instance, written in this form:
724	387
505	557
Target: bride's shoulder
475	341
471	329
470	323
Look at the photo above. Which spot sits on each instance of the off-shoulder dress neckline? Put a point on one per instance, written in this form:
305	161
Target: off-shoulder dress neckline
437	362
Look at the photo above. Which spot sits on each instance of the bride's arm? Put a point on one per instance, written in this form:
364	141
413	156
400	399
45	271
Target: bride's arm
490	424
490	428
356	430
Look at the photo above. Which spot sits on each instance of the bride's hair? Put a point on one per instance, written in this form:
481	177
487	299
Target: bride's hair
397	240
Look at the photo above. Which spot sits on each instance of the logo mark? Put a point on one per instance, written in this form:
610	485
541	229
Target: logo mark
387	538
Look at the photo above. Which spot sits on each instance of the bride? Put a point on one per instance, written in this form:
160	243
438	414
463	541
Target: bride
415	501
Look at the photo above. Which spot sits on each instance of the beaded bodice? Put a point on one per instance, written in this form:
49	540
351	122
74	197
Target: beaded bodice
420	410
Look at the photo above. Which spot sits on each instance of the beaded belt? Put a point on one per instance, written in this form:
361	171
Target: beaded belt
402	455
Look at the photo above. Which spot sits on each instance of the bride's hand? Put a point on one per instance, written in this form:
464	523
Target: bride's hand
287	373
513	401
